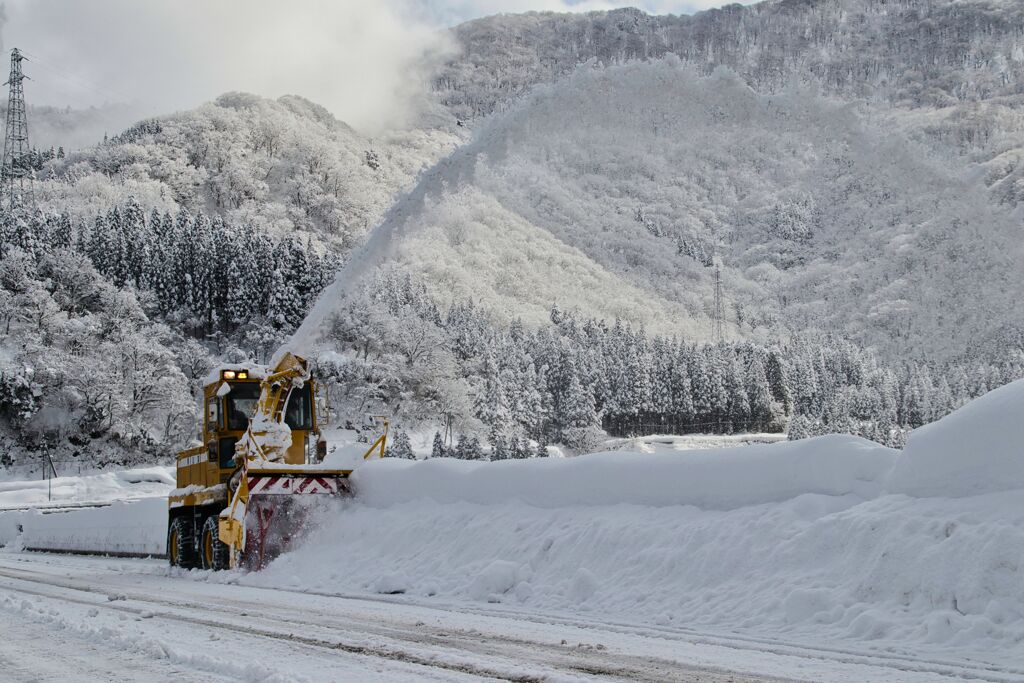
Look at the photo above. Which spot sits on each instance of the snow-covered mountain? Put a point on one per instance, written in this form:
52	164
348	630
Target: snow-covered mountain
613	190
842	188
280	165
845	187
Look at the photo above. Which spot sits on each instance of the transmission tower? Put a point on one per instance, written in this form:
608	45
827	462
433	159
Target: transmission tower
17	171
719	313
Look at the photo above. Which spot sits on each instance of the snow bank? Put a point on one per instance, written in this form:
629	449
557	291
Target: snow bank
715	479
137	527
94	488
111	512
817	539
10	528
976	449
922	572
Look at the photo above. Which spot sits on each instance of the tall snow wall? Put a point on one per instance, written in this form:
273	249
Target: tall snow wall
828	539
136	528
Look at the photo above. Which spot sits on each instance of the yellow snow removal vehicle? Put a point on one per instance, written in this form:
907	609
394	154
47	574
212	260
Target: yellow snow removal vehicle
242	495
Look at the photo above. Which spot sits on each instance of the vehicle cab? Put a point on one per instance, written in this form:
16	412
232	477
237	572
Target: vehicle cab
229	400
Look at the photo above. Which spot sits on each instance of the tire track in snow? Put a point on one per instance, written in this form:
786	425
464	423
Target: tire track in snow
245	672
581	663
981	671
908	663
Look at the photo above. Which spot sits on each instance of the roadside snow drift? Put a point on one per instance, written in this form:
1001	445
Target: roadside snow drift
816	539
976	449
720	479
144	482
112	512
131	527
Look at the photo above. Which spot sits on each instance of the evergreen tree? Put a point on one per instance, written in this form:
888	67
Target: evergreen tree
283	301
492	402
499	451
759	395
462	448
778	384
738	401
63	234
438	449
799	428
399	446
682	394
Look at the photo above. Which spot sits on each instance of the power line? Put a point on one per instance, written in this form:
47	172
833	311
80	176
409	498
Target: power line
76	79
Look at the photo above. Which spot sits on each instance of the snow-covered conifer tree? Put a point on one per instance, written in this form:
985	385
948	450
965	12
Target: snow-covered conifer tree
438	449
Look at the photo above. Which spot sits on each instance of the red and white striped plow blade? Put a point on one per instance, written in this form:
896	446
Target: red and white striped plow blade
286	485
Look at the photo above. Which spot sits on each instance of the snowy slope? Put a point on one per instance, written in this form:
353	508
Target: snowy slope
618	210
721	479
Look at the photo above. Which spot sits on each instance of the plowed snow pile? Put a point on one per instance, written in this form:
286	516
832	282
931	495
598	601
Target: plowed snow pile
817	540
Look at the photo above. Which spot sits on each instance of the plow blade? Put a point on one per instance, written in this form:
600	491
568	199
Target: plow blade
277	511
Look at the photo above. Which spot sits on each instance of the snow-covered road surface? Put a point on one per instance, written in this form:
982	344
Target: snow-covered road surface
76	618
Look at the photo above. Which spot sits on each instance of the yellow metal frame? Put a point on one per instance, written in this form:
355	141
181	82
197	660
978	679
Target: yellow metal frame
381	443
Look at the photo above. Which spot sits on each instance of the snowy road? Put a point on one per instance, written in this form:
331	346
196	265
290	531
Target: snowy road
78	618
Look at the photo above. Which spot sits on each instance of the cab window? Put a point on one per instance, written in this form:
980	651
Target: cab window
298	413
241	403
226	447
212	414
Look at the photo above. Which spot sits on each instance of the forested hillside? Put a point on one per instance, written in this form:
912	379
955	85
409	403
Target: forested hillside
552	226
916	53
817	219
566	380
180	241
285	166
950	72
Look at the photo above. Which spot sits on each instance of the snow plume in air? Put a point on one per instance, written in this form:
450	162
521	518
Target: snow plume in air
368	62
451	172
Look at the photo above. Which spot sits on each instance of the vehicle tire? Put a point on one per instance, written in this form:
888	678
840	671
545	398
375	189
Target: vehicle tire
213	554
181	549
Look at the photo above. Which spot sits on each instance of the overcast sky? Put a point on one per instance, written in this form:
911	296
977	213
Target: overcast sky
360	58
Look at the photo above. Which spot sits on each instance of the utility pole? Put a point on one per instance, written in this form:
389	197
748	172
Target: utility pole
17	170
719	313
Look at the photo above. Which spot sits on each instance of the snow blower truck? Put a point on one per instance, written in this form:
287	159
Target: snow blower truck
243	495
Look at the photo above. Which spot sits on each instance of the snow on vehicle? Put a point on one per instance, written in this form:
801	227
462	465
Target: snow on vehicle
243	494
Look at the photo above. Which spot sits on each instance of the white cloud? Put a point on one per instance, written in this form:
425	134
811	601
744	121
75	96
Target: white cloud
366	61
